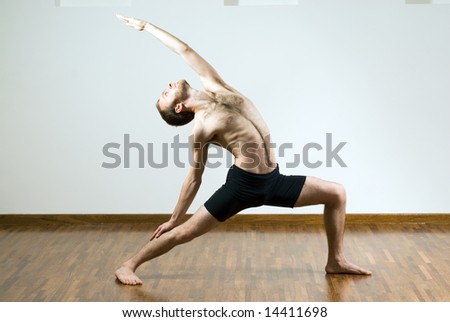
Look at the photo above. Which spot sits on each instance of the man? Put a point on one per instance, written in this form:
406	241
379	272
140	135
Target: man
223	116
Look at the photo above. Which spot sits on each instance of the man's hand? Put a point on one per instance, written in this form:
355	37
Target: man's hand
133	22
167	226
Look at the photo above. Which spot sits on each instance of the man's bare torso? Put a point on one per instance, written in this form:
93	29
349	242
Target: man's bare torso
233	122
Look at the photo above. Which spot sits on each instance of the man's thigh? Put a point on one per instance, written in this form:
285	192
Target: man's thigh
200	223
316	191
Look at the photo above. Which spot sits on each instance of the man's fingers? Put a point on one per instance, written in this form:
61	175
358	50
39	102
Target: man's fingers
162	229
129	21
120	17
159	233
156	234
132	22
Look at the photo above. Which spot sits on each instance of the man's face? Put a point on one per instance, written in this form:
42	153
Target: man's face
175	92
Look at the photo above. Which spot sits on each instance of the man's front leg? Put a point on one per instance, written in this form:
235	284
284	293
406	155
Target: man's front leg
333	196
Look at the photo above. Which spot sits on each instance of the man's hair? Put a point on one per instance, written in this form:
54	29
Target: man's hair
173	118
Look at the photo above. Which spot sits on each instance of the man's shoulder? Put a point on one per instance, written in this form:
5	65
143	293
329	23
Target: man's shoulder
204	128
229	96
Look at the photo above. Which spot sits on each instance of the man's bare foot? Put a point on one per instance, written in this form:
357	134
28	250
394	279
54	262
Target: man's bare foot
126	276
345	267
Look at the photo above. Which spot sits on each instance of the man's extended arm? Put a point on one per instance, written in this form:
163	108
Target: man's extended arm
208	75
190	186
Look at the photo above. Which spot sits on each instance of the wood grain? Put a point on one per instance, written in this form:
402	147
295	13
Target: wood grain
250	261
77	219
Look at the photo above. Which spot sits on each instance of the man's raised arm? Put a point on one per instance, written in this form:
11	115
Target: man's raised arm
208	75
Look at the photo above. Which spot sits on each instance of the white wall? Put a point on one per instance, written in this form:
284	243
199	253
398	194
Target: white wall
375	74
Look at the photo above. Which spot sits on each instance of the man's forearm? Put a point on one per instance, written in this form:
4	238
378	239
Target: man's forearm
169	40
208	76
187	195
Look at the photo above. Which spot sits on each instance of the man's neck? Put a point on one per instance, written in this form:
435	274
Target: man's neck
197	100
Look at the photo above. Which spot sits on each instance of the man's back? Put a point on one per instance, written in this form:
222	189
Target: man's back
232	121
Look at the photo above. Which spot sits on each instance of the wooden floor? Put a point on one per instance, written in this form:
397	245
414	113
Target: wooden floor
236	262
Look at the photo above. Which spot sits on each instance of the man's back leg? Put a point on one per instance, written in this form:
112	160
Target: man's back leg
200	223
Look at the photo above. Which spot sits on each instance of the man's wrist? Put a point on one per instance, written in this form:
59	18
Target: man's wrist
175	220
146	26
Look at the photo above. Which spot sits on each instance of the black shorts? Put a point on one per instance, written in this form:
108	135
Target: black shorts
244	189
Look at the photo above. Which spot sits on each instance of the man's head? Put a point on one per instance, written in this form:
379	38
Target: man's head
171	104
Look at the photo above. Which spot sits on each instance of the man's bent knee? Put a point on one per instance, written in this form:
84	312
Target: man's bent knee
338	195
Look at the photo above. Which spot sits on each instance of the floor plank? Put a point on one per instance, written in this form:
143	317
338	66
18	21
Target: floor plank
238	262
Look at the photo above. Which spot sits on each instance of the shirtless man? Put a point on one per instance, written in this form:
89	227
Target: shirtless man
225	117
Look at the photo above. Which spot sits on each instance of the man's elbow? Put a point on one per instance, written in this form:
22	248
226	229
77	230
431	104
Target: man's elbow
184	49
195	179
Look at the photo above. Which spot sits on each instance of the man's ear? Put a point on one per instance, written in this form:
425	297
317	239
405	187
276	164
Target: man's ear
179	108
